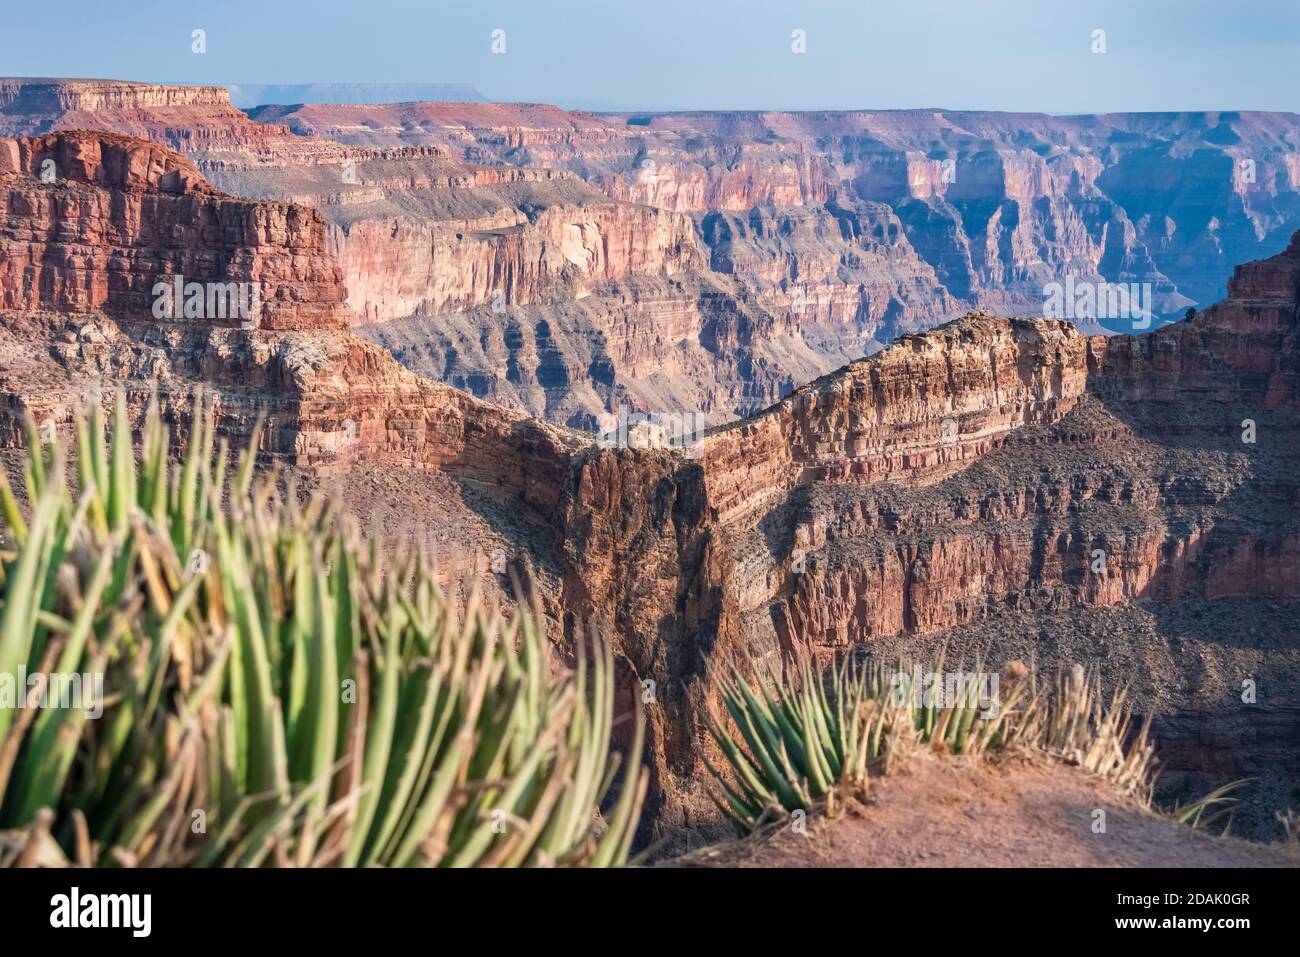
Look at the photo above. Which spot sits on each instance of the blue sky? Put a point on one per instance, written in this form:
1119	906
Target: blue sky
698	54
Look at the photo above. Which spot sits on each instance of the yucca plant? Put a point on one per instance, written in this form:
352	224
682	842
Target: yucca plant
276	689
796	742
796	738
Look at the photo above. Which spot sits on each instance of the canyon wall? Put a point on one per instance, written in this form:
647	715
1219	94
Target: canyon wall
445	244
972	476
994	205
566	263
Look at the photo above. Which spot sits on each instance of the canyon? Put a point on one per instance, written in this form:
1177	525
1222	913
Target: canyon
992	204
1012	486
566	264
550	297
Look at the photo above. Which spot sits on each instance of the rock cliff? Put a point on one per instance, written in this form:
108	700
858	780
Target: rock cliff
97	221
500	258
527	253
1001	483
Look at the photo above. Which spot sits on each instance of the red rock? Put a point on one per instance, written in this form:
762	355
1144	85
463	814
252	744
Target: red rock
123	215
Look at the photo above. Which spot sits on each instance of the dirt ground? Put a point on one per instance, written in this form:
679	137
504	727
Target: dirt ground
1019	811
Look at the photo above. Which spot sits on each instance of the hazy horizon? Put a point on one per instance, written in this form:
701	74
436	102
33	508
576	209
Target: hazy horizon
1014	56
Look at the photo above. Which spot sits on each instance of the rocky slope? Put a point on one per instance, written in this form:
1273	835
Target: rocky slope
944	812
999	483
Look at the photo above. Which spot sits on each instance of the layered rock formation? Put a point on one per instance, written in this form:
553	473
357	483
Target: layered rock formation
97	221
525	269
566	263
962	482
994	205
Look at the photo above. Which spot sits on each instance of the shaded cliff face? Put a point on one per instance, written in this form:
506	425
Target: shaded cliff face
682	344
962	484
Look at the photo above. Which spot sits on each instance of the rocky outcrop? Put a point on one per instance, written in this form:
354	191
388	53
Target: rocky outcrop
927	404
105	222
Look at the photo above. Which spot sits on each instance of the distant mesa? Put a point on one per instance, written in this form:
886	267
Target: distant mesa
248	95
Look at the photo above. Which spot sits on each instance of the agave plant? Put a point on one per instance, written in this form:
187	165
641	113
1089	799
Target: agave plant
796	741
796	738
276	690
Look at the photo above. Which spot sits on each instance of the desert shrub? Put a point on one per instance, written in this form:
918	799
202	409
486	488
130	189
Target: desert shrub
796	738
275	689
